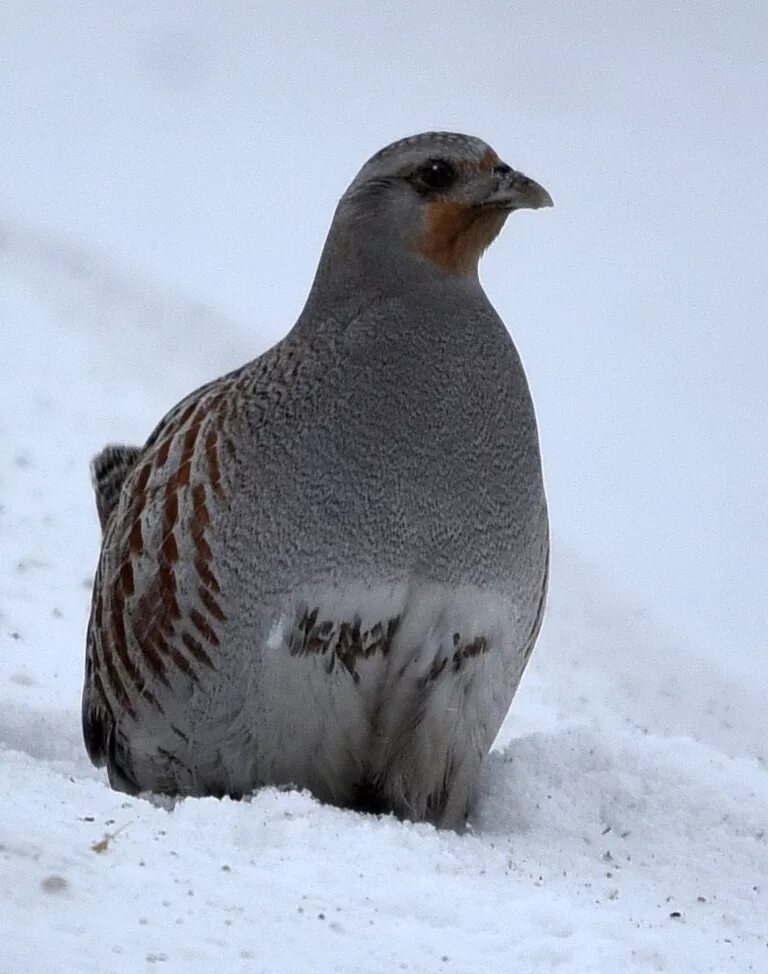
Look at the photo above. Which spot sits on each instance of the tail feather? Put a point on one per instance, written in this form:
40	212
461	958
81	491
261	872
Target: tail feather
108	472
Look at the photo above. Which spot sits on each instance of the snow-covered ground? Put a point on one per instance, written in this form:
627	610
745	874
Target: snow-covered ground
624	818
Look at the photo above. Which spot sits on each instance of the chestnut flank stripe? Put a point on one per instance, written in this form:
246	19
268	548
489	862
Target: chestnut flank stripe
170	549
162	452
211	604
211	453
206	575
142	478
136	539
126	578
197	650
203	627
173	654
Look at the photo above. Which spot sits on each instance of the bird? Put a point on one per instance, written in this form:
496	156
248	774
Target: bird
327	569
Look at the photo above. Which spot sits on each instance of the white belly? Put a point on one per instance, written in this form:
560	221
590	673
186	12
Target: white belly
401	685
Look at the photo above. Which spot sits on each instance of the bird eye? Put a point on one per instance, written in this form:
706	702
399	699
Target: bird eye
436	174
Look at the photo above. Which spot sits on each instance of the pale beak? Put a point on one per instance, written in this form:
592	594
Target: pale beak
514	191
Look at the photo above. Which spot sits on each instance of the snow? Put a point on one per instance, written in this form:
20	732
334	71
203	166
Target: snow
168	172
623	824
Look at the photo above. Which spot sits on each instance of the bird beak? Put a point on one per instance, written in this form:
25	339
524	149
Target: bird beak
514	191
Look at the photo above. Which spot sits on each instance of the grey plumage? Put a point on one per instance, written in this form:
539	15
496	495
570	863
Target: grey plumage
109	468
328	568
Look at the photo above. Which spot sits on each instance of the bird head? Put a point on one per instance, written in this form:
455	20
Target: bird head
441	196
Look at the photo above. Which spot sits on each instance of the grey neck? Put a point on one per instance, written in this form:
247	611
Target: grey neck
364	262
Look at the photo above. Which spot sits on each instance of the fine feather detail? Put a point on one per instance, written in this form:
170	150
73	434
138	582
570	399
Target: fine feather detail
109	470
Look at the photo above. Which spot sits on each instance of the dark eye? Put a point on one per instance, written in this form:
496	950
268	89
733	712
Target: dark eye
436	174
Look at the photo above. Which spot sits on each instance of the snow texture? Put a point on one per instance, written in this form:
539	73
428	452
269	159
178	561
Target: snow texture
622	825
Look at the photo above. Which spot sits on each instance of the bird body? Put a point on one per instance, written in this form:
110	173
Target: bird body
328	568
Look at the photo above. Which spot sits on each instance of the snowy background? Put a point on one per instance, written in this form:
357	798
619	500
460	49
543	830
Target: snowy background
167	176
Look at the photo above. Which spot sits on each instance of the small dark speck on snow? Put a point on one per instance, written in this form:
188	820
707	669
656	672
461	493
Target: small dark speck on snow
54	884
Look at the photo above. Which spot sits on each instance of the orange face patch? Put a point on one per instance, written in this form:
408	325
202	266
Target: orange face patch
489	160
456	235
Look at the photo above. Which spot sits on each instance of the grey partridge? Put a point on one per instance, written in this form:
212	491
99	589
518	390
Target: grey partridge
328	568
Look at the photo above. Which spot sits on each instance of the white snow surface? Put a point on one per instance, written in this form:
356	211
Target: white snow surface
623	824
